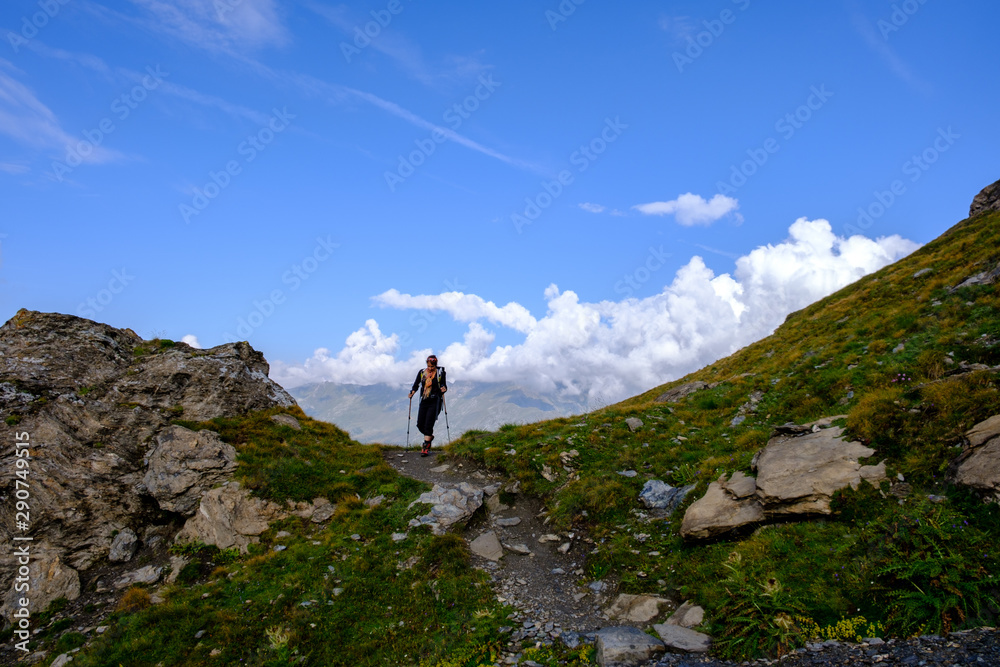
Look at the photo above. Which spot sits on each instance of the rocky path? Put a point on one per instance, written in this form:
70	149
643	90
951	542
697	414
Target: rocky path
540	573
535	570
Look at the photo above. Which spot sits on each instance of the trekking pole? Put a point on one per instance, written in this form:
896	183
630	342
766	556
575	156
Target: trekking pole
409	411
448	428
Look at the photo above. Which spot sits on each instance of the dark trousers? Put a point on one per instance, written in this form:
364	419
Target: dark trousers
430	408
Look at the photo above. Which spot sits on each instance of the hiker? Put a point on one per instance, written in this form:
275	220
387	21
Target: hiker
432	385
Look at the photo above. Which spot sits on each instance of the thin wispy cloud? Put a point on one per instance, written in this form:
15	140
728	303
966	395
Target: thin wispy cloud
878	44
592	208
185	25
28	121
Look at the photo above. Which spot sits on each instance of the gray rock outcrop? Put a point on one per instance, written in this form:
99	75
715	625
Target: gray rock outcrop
48	579
688	615
683	639
718	512
637	608
229	517
796	475
799	475
487	546
657	494
184	465
92	400
625	645
978	466
987	200
677	393
452	504
124	546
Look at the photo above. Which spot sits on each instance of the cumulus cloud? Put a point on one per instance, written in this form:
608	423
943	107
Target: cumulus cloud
191	340
691	209
462	307
607	351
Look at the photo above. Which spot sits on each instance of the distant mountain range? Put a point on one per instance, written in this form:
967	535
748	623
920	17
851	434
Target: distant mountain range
377	413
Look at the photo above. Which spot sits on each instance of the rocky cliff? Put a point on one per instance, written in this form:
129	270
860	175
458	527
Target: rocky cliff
96	404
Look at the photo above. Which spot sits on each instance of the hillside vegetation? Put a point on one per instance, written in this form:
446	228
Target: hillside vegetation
895	353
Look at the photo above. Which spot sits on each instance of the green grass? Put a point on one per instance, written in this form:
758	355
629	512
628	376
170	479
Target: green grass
833	358
328	598
876	564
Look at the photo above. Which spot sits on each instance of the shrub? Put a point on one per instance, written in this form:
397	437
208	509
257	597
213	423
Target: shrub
759	617
929	568
445	555
135	599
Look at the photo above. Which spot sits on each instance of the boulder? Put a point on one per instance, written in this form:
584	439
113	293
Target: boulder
229	517
184	465
625	645
683	639
987	200
633	423
688	615
487	546
978	466
636	608
660	495
451	505
124	546
799	475
675	394
144	575
287	420
48	579
719	512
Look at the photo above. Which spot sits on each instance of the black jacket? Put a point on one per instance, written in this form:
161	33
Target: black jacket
439	381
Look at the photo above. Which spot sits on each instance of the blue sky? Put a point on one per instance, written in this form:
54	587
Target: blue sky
590	198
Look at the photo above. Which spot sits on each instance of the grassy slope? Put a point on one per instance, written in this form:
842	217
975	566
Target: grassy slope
336	595
876	567
911	567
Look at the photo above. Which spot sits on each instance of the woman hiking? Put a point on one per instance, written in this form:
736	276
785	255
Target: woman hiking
432	385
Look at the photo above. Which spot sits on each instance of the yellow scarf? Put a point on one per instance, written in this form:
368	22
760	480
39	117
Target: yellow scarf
429	375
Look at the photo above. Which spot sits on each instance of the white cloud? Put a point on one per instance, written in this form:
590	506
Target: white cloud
691	209
462	307
607	351
591	208
191	340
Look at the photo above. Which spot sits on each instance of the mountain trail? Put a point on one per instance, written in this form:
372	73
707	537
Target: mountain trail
546	584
